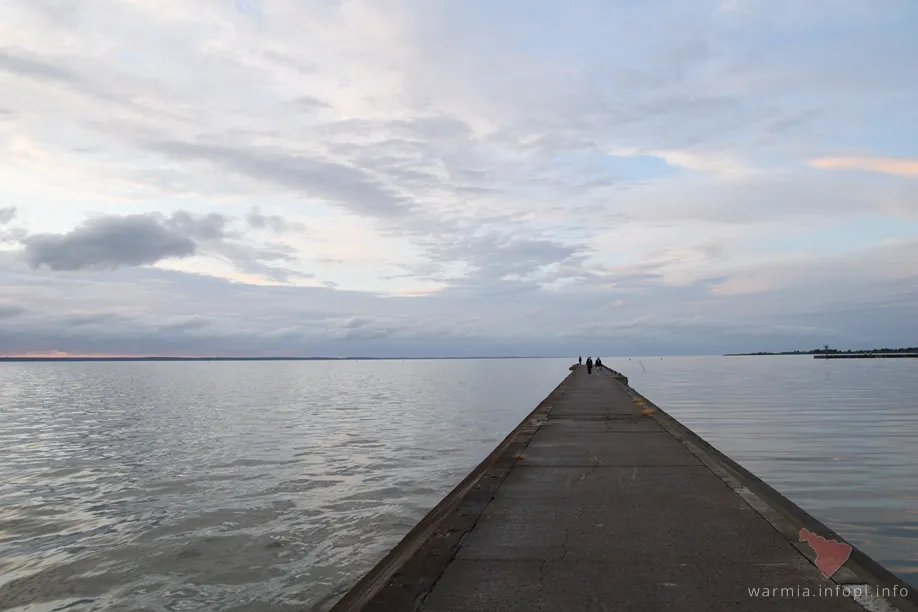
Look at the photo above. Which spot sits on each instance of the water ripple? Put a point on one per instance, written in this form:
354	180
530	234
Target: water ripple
232	486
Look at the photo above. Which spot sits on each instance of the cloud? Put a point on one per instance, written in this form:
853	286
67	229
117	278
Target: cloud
260	261
47	71
883	165
93	319
209	227
309	104
7	214
8	311
20	65
274	223
349	187
355	322
187	324
111	242
367	329
743	286
703	162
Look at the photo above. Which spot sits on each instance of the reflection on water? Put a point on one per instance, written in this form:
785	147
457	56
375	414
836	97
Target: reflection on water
838	437
232	485
272	486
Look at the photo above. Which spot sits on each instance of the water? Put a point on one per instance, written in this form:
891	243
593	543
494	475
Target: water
233	485
275	485
838	437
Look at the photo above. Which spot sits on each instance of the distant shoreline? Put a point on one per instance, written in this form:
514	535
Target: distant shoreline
830	353
50	359
867	356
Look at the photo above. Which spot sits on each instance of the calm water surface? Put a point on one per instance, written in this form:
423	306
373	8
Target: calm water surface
233	485
275	485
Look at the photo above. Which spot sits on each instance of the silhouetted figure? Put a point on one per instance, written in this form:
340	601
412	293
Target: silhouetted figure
598	365
580	360
589	365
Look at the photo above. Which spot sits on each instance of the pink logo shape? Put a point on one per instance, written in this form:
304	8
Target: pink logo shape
830	554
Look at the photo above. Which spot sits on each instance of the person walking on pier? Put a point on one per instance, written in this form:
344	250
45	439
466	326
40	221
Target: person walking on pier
598	365
580	360
589	365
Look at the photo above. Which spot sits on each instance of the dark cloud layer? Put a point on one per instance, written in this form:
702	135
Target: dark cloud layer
8	311
160	312
111	242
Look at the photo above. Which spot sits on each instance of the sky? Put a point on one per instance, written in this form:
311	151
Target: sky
457	177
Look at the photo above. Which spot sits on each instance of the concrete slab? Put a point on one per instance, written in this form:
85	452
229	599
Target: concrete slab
682	514
612	449
603	413
624	586
576	427
601	535
583	409
586	416
588	487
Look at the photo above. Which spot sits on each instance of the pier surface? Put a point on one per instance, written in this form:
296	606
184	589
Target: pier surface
593	505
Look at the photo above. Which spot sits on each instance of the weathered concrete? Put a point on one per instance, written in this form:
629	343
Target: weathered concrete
604	508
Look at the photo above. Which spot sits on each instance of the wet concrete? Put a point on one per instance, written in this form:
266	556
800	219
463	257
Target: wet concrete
606	508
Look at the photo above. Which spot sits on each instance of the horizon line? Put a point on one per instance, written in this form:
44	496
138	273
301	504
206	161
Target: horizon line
247	358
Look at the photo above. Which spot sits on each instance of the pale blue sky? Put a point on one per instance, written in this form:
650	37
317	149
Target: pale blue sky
457	177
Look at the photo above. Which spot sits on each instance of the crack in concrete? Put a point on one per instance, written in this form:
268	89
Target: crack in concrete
541	579
592	469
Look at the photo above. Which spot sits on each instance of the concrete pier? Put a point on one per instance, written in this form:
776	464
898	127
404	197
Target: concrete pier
601	501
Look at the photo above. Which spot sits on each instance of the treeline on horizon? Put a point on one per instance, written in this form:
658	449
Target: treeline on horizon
831	351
